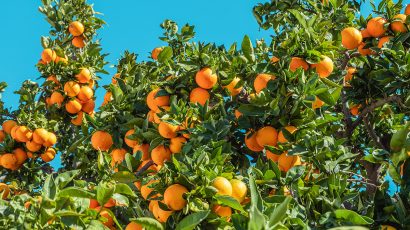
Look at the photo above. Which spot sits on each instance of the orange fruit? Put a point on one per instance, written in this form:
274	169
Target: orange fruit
53	78
51	140
274	59
173	197
351	38
78	42
267	136
364	51
324	68
365	33
73	106
155	52
160	154
167	130
129	142
251	143
160	110
375	26
161	215
176	144
286	162
48	55
8	161
407	10
61	59
222	211
349	75
8	125
78	120
383	40
48	155
72	88
151	116
261	81
154	102
144	148
93	203
237	114
2	136
272	156
354	110
84	76
33	146
101	140
85	94
40	136
13	133
205	79
56	98
88	106
20	155
239	190
281	138
5	190
106	219
399	23
23	134
231	87
199	95
133	226
147	189
118	156
296	63
223	186
317	103
76	28
153	167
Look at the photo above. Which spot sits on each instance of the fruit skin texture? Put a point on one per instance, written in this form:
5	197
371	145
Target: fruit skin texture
167	130
4	188
261	81
88	106
364	51
20	155
133	226
101	140
317	103
73	106
72	88
375	26
155	102
349	75
48	55
281	137
85	94
297	62
8	161
40	136
251	143
272	156
48	155
365	33
205	79
144	148
267	136
146	190
222	211
160	154
239	190
407	10
118	156
78	42
51	140
223	186
399	26
106	215
8	125
76	28
56	98
155	52
383	40
173	197
2	136
129	142
286	162
231	87
351	38
199	95
324	68
176	144
84	76
161	215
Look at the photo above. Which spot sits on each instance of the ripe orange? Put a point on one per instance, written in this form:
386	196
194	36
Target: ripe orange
349	75
8	161
33	146
365	33
261	81
167	130
286	162
84	76
13	133
237	114
297	62
239	190
53	79
61	59
88	106
199	95
8	125
176	144
48	155
56	98
73	106
231	87
272	156
317	103
205	79
251	143
274	59
291	129
72	88
85	94
78	42
160	154
324	68
398	25
21	156
375	26
407	10
2	136
78	120
144	148
133	226
383	40
101	140
51	140
118	156
155	52
48	55
93	203
161	215
267	136
364	51
23	134
222	211
173	197
107	220
40	136
351	38
4	188
157	119
129	142
76	28
147	189
223	186
354	110
151	116
154	102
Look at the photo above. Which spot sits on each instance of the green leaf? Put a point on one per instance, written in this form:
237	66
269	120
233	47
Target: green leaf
349	228
124	177
104	193
149	223
230	201
66	177
301	19
399	138
327	98
247	49
49	188
352	217
124	189
191	221
280	212
75	192
165	54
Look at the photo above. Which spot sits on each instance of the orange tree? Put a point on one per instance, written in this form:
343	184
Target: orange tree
303	131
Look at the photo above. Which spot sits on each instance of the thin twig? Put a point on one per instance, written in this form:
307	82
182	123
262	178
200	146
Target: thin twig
364	182
144	168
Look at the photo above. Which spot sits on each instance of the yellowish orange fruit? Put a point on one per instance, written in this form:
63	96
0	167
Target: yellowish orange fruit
267	136
78	42
73	106
101	140
223	186
4	188
8	125
160	154
383	40
399	23
76	28
232	87
317	104
84	76
72	88
222	211
199	95
239	190
375	27
48	155
324	68
261	81
167	130
155	52
296	63
176	144
291	129
154	101
85	94
351	38
173	197
129	142
48	55
205	78
286	162
251	143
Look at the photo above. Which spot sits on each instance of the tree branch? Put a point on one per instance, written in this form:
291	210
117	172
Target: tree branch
372	133
144	168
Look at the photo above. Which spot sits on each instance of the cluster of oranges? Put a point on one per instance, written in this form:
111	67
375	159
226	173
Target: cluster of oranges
39	140
48	55
103	210
76	29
